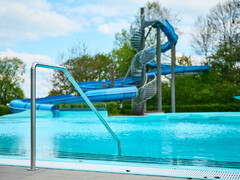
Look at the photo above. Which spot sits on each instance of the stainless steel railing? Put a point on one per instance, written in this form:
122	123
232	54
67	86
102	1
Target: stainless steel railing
33	108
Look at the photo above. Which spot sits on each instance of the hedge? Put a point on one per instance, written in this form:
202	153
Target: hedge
230	107
114	109
4	110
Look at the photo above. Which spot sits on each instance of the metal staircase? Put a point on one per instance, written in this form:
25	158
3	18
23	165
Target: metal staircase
146	92
136	40
139	61
147	55
148	89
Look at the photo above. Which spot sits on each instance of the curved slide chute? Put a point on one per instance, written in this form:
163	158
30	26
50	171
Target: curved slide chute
48	103
19	105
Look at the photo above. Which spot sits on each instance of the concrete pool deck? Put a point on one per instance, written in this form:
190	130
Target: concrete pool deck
21	173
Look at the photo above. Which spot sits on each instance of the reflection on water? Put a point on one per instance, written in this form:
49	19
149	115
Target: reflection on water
11	145
65	144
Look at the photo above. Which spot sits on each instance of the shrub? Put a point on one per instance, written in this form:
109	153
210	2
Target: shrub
4	110
113	108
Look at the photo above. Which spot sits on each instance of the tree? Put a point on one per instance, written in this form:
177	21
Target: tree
219	29
202	39
184	60
122	53
11	71
83	67
217	37
224	61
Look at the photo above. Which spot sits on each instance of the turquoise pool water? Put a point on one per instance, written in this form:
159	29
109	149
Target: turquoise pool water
188	139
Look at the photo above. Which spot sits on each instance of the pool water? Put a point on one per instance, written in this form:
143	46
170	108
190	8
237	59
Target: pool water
188	139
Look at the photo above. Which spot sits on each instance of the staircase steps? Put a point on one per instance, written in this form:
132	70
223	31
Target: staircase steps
136	40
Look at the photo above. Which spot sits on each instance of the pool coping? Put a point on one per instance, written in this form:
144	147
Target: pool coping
131	168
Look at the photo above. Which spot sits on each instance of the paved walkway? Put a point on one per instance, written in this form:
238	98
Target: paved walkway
20	173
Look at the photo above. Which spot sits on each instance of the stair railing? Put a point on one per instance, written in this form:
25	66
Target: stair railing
140	99
33	108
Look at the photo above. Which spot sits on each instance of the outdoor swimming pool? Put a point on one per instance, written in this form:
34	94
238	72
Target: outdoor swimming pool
180	139
191	139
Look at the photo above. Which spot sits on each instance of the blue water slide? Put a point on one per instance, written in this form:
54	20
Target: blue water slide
166	69
93	85
153	64
18	105
180	69
172	37
94	89
102	95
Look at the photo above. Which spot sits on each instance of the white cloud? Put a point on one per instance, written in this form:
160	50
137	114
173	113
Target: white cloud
97	20
32	20
43	75
113	27
97	9
196	60
191	6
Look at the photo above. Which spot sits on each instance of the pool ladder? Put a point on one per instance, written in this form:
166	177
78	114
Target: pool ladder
33	108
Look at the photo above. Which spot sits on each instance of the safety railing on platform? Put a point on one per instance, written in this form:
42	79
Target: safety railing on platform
33	108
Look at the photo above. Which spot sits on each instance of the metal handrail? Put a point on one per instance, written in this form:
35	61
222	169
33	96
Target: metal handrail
33	108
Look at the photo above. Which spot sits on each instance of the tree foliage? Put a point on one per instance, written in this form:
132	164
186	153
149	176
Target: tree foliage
217	37
220	29
204	88
200	89
122	53
184	60
11	71
83	67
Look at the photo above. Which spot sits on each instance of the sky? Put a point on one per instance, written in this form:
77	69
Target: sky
41	30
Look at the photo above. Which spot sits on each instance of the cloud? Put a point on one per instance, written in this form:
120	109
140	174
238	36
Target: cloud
43	75
97	20
113	27
98	9
32	20
196	60
101	9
